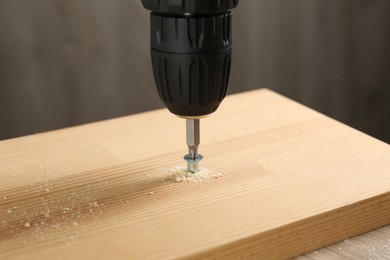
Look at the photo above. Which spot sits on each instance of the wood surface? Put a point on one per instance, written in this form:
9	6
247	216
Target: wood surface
294	181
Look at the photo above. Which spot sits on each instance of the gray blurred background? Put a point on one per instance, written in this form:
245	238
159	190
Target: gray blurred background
69	62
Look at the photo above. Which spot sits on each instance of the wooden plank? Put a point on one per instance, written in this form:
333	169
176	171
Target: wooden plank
294	180
371	245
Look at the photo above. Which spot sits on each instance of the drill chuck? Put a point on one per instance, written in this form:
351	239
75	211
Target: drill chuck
191	47
191	43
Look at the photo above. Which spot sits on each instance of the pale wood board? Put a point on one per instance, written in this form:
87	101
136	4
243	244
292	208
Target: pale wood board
294	181
374	245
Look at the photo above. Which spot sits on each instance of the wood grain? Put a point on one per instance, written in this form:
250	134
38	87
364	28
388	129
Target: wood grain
294	181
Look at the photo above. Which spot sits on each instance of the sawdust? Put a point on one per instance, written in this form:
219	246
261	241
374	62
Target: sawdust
180	174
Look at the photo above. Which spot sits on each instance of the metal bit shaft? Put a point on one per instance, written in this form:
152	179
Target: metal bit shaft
193	141
193	136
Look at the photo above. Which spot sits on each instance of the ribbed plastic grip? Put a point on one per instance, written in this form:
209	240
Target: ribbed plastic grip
191	84
191	60
191	44
191	34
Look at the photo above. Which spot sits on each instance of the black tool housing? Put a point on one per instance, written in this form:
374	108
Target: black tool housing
191	44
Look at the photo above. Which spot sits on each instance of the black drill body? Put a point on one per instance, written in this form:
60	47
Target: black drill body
191	45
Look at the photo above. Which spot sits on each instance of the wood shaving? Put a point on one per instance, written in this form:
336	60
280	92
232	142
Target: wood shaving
180	174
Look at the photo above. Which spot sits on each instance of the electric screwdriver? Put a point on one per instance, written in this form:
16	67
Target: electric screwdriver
191	49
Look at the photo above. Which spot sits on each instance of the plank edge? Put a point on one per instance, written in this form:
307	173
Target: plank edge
309	234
